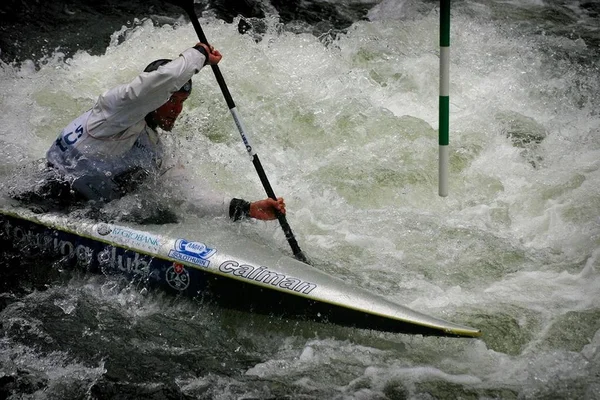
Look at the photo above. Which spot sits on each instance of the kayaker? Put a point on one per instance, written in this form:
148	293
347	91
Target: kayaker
109	150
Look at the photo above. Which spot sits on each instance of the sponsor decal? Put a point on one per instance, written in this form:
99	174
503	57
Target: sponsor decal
178	277
103	229
263	274
85	256
192	252
130	237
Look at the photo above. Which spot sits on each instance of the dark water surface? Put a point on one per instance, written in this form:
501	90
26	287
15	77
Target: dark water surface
34	29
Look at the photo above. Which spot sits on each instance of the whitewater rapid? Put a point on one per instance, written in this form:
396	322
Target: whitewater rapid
346	129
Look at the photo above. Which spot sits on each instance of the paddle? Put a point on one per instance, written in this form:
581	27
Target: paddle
188	6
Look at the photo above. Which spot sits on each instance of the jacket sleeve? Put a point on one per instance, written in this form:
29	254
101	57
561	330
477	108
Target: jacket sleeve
125	105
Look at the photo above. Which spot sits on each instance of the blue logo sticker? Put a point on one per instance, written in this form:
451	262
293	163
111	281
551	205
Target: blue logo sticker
192	252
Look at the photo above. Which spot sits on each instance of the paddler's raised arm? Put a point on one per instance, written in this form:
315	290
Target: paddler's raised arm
122	106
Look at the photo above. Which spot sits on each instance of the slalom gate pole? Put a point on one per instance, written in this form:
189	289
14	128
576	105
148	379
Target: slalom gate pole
444	104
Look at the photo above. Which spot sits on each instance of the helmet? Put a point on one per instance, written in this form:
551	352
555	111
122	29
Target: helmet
153	66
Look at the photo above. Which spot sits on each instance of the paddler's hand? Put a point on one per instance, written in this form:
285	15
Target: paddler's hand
213	55
266	209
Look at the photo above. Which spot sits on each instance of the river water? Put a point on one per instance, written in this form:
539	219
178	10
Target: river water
346	128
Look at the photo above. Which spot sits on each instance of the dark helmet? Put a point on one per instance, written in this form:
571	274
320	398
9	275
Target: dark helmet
153	66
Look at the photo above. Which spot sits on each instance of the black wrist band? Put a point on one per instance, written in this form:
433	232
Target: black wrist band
239	209
202	50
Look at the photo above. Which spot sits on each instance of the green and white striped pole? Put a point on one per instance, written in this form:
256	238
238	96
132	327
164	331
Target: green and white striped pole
444	112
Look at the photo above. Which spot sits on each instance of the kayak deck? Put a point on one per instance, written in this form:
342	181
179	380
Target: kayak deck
234	274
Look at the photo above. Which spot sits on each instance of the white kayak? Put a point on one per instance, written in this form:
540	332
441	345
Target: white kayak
235	272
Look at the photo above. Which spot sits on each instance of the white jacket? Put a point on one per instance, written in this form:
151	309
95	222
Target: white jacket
111	143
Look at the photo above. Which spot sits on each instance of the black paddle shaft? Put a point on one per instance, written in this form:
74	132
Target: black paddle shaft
188	6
